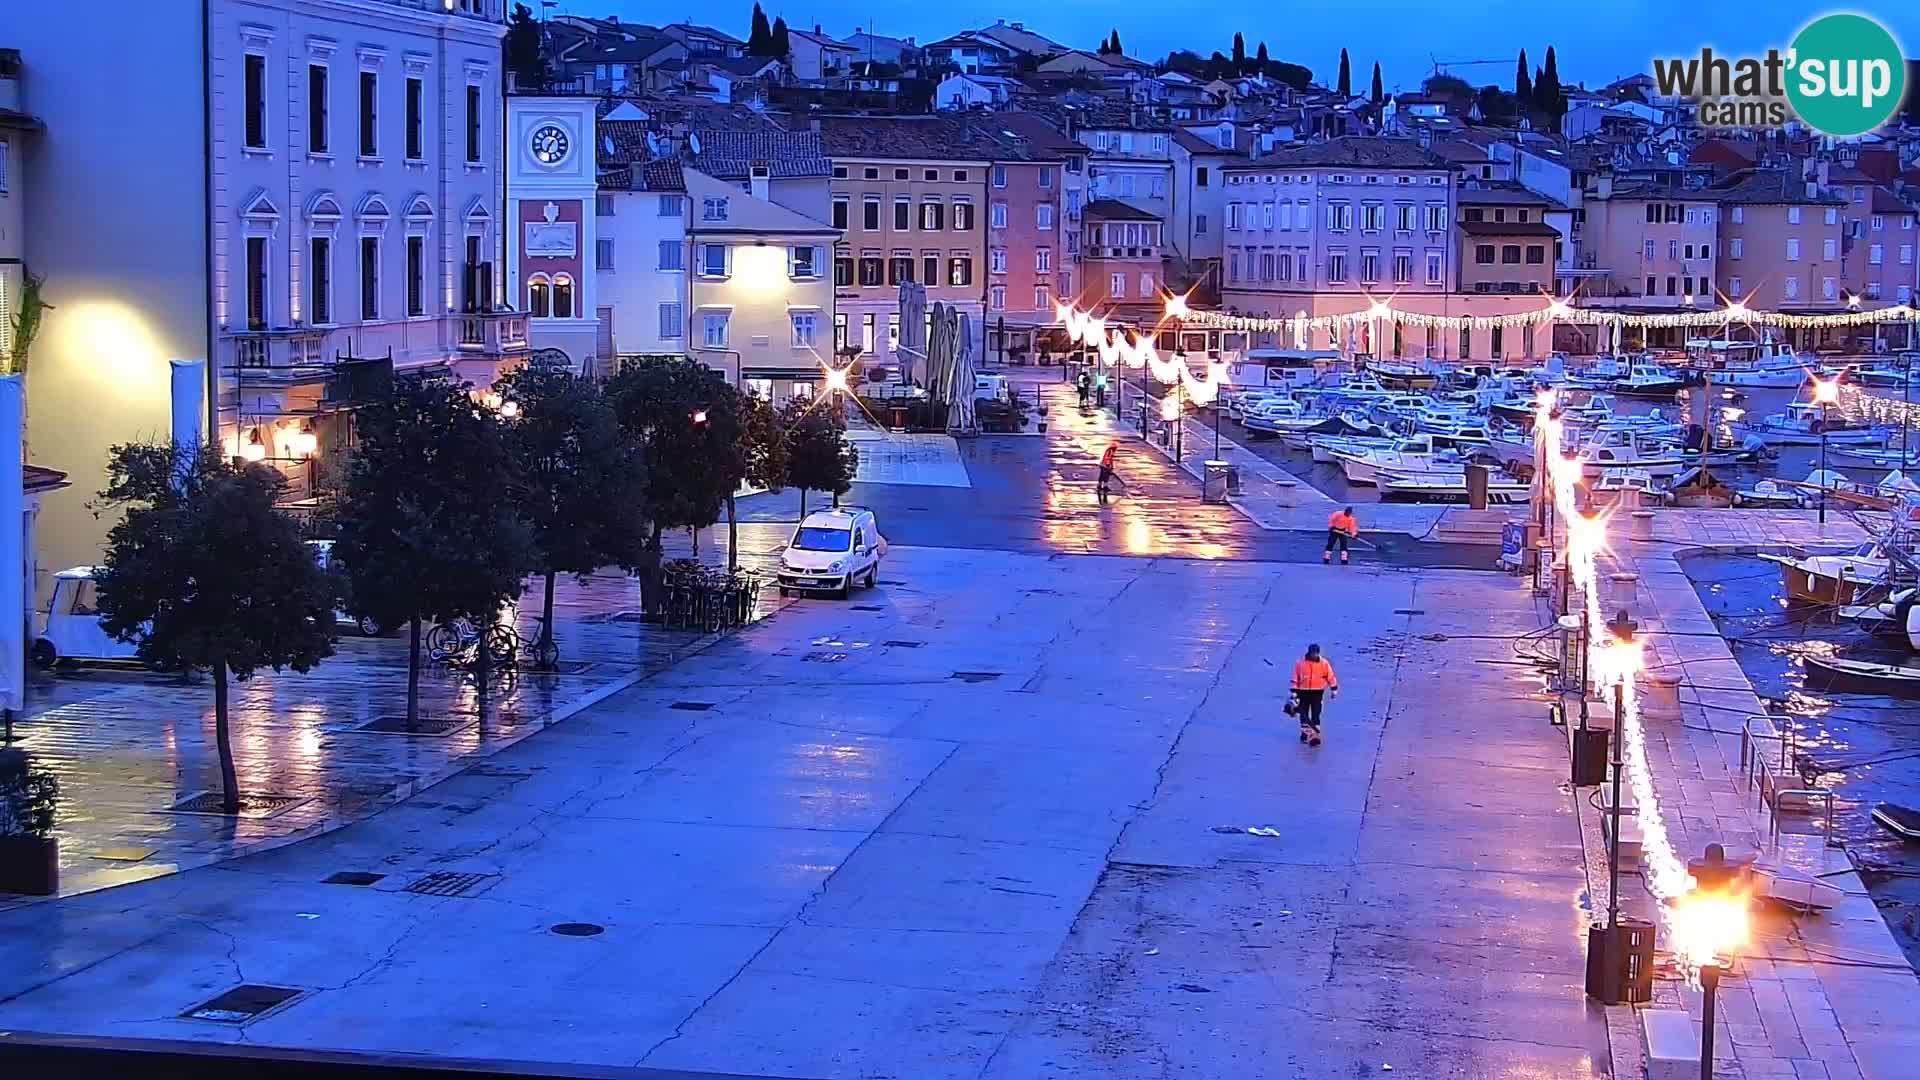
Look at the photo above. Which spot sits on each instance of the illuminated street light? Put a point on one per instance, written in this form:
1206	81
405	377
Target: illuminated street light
699	416
836	378
1710	924
509	409
1825	393
1177	307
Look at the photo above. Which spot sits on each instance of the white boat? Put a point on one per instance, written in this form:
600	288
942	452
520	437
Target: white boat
1882	375
1803	424
1617	448
1768	495
1449	486
1765	364
1832	579
1632	486
1862	457
1413	455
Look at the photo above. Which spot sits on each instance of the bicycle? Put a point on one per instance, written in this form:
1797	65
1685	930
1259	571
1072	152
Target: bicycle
544	648
457	643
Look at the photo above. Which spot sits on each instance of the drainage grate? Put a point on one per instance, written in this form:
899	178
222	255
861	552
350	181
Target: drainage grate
901	644
564	667
248	1001
1409	611
450	883
976	676
691	706
577	929
824	657
425	727
213	804
351	877
865	607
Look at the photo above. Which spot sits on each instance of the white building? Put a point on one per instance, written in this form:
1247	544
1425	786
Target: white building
292	184
641	214
552	182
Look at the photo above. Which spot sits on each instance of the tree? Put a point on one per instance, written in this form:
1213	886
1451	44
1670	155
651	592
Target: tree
525	57
1293	75
686	420
1379	93
1239	51
1547	95
780	46
584	484
430	521
1260	58
1452	89
1497	107
819	458
760	37
204	573
763	455
1346	76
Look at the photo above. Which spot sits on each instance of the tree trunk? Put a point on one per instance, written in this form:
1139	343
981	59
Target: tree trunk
413	670
650	575
223	740
803	503
733	536
483	668
546	624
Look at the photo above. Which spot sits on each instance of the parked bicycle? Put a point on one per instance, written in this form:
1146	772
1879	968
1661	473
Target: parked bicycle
708	599
457	643
545	654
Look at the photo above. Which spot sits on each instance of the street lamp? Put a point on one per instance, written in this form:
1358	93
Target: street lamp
1825	393
1710	925
1622	627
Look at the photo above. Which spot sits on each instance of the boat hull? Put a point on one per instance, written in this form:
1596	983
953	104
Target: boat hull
1783	379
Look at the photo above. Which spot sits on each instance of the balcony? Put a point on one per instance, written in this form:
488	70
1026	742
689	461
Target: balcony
493	333
484	10
278	356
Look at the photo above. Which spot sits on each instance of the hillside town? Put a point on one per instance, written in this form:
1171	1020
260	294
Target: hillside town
557	545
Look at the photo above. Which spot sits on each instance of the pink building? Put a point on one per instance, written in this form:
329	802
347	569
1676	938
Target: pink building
1026	253
1878	260
1780	239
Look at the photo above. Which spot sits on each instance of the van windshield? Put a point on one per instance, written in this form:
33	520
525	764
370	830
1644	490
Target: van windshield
810	539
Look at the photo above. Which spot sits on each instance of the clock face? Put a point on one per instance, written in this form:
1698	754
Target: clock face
549	144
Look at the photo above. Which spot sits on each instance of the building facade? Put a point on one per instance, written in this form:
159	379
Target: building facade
1780	237
641	256
1878	258
553	239
1659	247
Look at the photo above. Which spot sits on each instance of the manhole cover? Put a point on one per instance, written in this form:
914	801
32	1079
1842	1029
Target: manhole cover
824	657
976	676
691	706
866	607
564	667
1041	592
425	727
351	877
123	854
213	804
1409	611
245	1002
577	929
899	644
450	883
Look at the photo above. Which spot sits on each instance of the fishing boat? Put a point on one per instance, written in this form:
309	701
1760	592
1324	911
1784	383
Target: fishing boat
1405	376
1628	487
1767	364
1414	455
1699	489
1768	495
1838	579
1881	375
1615	448
1449	487
1866	676
1902	821
1803	424
1865	457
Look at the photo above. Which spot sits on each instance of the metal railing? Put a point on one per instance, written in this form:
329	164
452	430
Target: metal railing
1765	779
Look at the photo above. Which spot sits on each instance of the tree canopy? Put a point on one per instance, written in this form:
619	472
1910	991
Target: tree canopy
686	420
1345	86
1378	94
525	57
780	45
760	35
1522	83
819	458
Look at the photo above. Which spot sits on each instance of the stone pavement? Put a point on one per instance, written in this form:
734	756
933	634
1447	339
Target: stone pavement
1826	995
128	745
989	820
888	457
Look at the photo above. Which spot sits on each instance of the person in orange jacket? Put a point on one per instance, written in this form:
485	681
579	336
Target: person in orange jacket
1341	529
1107	475
1313	677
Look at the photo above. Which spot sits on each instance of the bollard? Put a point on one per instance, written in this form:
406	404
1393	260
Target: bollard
1622	588
1286	492
1642	525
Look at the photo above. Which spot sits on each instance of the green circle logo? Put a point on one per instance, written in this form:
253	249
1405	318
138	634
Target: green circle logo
1845	75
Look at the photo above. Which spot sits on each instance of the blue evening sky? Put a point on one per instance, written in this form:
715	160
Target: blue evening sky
1597	41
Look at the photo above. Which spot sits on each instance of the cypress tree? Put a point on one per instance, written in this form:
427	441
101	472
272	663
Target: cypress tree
1239	51
1522	85
1379	95
760	36
1345	85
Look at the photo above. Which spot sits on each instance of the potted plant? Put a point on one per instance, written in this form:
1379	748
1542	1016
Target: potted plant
29	853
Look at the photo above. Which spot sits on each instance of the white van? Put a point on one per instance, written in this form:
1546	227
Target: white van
832	551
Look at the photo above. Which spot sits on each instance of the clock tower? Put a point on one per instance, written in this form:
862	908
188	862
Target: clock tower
551	239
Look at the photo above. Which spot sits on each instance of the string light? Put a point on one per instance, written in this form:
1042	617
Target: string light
1555	310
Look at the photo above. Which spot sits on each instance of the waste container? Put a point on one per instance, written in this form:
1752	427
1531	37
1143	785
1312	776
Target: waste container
1620	962
899	419
1589	756
1214	481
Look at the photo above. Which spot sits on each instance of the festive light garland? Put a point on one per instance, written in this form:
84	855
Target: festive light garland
1555	311
1115	348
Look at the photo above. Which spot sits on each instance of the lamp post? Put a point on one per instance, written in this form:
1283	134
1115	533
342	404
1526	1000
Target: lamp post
1710	992
1825	393
1177	310
1623	629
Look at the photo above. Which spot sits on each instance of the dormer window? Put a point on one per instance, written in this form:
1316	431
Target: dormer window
714	209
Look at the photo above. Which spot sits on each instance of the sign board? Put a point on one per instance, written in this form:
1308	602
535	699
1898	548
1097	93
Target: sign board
1513	544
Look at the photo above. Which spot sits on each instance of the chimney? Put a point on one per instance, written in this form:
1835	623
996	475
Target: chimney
759	177
1821	171
10	79
816	28
1603	186
1813	189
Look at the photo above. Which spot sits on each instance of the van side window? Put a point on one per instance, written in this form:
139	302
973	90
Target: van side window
859	539
85	598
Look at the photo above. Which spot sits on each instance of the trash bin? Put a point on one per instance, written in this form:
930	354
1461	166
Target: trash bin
1589	756
899	418
1214	481
1286	492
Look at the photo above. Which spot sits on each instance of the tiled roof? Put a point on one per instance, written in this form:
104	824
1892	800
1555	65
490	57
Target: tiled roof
661	175
615	178
1508	228
1886	202
1048	140
942	137
1460	150
1777	186
1196	144
704	31
623	141
1115	210
1501	193
728	154
746	66
1357	151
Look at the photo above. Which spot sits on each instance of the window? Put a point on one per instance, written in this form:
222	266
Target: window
1200	224
1403	266
1673	249
1369	266
963	216
1906	254
869	270
1873	290
476	281
1466	343
416	148
900	269
1403	217
1736	248
1904	294
669	206
1826	288
316	108
997	215
839	172
1046	178
843	270
1434	267
1739	214
1793	249
1510	254
369	114
1653	287
997	298
866	331
804	325
562	297
959	175
870	213
960	270
473	124
803	262
870	173
1436	217
417	275
1043	216
839	211
1483	254
1647	252
839	331
1536	254
932	216
370	278
1495	342
1828	248
1833	215
713	260
713	329
670	321
1876	255
1793	215
1371	215
901	174
902	214
1336	266
930	268
997	260
1653	213
1473	213
713	209
256	283
539	298
1339	217
1118	287
1040	298
603	253
320	282
256	90
1791	288
1672	286
1233	217
999	176
670	254
1878	222
1043	260
602	204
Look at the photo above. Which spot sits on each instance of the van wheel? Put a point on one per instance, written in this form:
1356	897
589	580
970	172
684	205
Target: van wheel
846	588
784	591
873	575
43	655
